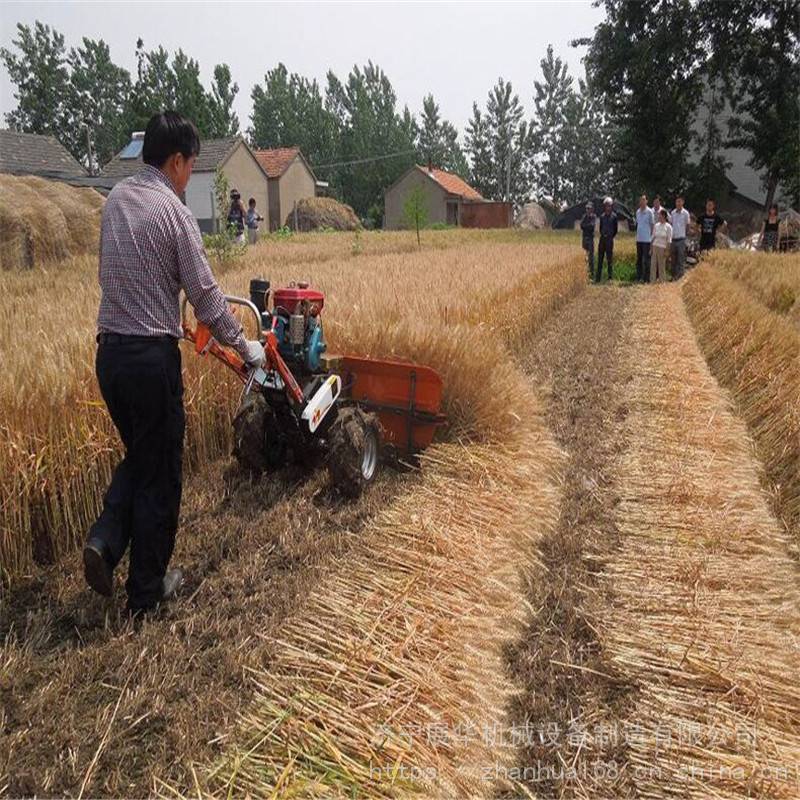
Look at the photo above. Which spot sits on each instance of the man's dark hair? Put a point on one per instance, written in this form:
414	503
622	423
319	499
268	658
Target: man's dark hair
251	201
169	133
679	197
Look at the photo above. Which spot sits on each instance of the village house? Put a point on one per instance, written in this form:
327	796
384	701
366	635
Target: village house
40	155
291	179
449	199
231	155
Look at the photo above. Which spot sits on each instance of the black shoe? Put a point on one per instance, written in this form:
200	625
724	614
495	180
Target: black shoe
171	584
96	568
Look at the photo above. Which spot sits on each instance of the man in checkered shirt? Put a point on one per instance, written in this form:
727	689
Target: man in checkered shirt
150	249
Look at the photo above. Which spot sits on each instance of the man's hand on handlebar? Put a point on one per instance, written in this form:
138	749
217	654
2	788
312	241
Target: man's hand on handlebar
255	355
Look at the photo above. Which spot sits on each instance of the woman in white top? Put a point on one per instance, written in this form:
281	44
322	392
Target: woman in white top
662	239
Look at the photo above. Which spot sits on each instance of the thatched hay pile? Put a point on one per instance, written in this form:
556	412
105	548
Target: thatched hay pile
754	352
45	221
532	217
322	213
706	615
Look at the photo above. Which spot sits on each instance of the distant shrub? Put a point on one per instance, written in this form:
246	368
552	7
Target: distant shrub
224	247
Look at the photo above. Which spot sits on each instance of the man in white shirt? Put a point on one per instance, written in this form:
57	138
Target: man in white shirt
679	219
656	208
644	233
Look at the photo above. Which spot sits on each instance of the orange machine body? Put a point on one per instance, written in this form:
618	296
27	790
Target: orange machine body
406	397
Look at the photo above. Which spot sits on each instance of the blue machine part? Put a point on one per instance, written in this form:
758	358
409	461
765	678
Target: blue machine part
315	347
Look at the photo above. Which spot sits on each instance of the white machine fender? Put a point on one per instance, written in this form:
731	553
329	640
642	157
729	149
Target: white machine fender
322	402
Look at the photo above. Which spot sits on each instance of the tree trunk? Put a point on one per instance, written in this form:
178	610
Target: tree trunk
772	185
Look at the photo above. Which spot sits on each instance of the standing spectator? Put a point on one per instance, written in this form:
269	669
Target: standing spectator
252	220
710	223
662	238
768	238
588	222
656	208
236	215
644	235
679	219
608	230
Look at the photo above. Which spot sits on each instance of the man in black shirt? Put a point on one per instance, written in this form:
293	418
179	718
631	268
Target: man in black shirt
709	224
608	230
587	235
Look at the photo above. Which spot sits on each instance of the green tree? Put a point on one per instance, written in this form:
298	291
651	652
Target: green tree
755	45
175	84
97	96
375	143
223	119
415	210
553	100
221	198
39	72
645	58
437	142
190	98
288	111
499	145
482	173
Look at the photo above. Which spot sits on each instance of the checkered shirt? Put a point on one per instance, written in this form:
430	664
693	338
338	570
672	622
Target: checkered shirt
150	249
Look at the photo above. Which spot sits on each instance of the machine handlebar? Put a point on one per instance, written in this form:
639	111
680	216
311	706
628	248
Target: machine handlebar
234	301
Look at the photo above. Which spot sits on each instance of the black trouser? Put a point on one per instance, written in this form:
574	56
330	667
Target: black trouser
141	383
643	261
588	246
604	248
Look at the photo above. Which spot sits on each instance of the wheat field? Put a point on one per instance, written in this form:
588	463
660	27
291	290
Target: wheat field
57	445
436	573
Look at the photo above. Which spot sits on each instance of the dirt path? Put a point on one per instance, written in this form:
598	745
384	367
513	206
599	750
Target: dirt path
662	659
568	683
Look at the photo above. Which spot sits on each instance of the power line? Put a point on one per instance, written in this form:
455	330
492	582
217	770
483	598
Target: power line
367	160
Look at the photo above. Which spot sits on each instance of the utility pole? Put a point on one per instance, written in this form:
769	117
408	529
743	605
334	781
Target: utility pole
89	147
508	170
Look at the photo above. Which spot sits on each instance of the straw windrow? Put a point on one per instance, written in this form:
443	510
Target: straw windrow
755	353
706	621
392	678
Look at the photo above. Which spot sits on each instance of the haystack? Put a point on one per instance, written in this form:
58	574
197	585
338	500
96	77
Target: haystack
315	213
44	221
532	217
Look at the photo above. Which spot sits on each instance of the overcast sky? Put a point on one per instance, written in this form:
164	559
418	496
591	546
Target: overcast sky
454	50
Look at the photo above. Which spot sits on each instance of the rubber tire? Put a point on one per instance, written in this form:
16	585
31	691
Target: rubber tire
258	443
347	440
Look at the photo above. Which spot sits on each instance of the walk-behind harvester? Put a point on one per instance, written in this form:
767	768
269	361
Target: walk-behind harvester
308	406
